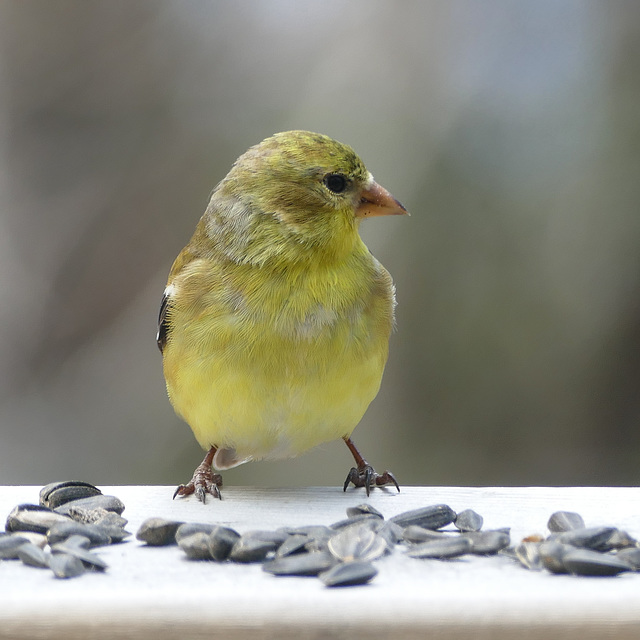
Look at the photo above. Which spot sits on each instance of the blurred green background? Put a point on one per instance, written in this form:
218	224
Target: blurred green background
509	129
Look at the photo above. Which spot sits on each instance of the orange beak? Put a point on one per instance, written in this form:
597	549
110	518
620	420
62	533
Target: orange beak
377	201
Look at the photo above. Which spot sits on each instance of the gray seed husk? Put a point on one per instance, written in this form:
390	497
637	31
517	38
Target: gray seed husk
414	533
158	532
116	534
300	564
349	522
630	555
221	542
277	537
58	493
584	562
90	559
528	554
99	516
451	547
111	524
565	521
391	532
9	545
108	519
621	540
53	486
370	522
433	517
468	520
552	554
31	517
196	546
293	544
315	545
357	543
487	542
595	538
251	550
363	508
78	541
349	574
509	552
315	532
188	529
84	515
63	530
33	556
318	537
109	503
39	539
66	566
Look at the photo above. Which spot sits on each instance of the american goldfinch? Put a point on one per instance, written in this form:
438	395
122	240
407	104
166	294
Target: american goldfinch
275	322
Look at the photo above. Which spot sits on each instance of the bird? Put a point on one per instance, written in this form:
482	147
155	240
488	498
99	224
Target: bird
274	325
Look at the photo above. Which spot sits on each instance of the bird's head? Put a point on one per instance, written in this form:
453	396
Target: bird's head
294	193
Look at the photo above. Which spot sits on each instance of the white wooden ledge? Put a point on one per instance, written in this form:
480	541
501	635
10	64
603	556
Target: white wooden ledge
156	593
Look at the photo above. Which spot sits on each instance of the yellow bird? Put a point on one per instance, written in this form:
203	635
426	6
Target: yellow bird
274	326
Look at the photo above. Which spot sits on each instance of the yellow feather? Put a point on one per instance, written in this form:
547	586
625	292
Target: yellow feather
278	320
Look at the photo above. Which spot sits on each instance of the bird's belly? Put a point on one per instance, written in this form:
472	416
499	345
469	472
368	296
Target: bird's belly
276	398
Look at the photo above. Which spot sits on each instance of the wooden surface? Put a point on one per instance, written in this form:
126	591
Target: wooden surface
157	593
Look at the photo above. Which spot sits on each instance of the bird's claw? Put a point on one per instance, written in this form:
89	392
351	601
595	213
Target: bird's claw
367	477
204	482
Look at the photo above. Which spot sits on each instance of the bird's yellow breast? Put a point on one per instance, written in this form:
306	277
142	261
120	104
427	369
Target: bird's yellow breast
268	364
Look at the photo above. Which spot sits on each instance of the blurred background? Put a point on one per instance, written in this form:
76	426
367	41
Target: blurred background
509	129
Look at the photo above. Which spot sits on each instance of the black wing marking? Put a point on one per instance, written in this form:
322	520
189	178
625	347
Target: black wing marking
163	323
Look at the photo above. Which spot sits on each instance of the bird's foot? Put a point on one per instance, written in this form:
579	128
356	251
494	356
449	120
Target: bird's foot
367	477
204	481
363	474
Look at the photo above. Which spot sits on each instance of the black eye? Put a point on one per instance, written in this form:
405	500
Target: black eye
335	182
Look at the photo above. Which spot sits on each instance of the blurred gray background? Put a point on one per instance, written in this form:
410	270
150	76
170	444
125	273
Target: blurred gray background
510	130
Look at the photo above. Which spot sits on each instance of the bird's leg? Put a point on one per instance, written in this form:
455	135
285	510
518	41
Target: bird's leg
364	475
204	480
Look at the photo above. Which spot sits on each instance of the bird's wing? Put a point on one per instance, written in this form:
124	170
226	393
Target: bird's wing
163	322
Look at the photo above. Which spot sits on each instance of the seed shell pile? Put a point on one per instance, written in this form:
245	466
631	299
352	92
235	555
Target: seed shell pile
72	518
58	533
579	550
343	553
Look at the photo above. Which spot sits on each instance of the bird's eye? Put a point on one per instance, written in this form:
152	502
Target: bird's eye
335	182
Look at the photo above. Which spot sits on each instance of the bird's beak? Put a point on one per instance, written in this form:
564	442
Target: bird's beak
377	201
